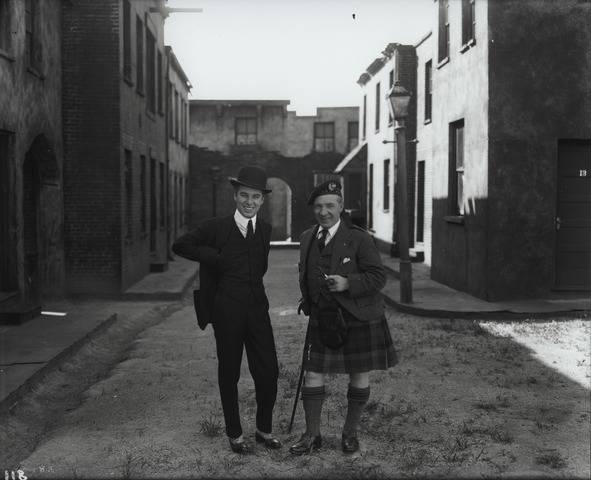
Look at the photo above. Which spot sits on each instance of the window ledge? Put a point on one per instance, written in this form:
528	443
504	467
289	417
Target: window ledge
469	44
443	62
140	92
427	121
128	80
6	55
457	219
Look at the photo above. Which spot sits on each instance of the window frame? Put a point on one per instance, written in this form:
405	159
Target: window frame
378	104
139	55
327	142
444	33
386	185
428	110
127	62
457	163
250	135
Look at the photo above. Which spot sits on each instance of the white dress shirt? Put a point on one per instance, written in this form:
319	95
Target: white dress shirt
242	222
331	232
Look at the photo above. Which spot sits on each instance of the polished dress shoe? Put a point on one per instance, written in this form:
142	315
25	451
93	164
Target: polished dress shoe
239	446
350	444
306	444
270	442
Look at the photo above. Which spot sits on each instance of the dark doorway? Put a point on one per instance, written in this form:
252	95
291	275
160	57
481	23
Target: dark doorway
153	211
573	216
31	182
420	201
7	271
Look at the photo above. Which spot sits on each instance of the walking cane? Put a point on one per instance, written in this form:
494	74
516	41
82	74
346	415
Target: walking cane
301	379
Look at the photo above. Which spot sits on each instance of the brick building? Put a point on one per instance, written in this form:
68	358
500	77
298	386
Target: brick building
115	142
297	152
397	63
31	156
178	146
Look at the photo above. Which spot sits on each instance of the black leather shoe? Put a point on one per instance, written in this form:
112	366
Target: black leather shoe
270	442
306	444
241	447
350	444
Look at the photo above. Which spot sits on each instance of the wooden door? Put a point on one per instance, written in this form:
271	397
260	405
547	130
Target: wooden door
573	216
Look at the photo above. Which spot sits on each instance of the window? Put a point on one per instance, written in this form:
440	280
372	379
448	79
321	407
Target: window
5	25
387	184
246	131
443	29
143	192
139	47
428	90
159	81
370	198
32	46
468	21
187	121
126	40
364	115
176	116
352	135
456	168
378	107
153	206
161	179
151	70
324	136
170	111
183	125
128	176
420	200
391	84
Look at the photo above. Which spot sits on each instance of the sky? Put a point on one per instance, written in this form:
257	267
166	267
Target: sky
310	52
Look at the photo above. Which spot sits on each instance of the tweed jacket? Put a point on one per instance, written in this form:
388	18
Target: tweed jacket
356	257
204	245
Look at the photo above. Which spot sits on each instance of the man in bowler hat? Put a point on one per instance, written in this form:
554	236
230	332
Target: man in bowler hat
233	254
340	269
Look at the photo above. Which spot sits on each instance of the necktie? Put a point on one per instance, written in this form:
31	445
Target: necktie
249	231
322	239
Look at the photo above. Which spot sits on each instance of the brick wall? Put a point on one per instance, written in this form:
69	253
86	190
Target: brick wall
92	191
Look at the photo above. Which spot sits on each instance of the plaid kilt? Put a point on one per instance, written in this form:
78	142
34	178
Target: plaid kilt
368	347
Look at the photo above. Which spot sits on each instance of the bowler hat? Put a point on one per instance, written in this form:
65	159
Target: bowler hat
330	187
253	177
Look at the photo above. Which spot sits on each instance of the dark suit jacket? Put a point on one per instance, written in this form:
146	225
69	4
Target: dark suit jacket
356	257
204	245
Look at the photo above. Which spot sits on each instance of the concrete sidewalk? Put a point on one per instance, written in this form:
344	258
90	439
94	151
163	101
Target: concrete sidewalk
30	350
169	285
433	299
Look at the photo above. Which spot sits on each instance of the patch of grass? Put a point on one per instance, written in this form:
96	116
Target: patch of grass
291	376
211	427
551	459
486	406
501	435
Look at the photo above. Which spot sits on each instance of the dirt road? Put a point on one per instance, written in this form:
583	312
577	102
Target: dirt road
466	399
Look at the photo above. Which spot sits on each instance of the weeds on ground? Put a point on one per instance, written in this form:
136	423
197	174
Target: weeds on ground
291	376
211	427
551	459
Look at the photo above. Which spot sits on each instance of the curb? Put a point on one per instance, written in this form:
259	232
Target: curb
161	295
14	397
478	315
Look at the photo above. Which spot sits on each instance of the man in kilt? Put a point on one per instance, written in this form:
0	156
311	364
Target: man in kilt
341	275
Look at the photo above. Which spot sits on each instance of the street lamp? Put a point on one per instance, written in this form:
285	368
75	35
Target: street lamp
398	100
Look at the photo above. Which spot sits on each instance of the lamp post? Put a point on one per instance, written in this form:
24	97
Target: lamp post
398	100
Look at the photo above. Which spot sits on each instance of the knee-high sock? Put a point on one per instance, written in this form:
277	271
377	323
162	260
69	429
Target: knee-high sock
357	398
313	397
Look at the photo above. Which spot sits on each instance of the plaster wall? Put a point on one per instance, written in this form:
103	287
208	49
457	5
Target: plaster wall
540	66
424	146
460	91
30	107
